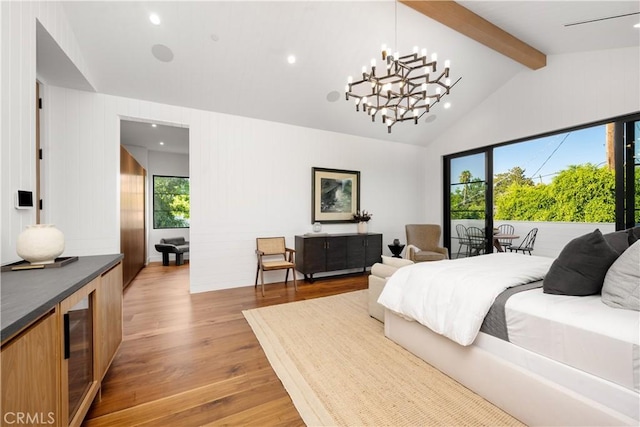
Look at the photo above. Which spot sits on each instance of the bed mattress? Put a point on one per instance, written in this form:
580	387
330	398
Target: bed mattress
581	332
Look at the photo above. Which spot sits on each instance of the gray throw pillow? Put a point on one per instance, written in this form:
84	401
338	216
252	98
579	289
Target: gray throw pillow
621	240
581	266
621	287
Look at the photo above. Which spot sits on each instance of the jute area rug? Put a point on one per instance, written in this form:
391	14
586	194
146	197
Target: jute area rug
340	369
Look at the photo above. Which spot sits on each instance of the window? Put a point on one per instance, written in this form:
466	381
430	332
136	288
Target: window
588	174
170	202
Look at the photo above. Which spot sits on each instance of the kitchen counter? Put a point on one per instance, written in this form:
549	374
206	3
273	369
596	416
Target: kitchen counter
26	295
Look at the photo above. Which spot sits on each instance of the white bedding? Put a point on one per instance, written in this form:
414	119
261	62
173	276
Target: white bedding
453	297
581	332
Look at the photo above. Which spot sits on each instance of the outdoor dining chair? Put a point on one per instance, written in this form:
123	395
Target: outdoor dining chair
527	243
476	240
506	229
463	240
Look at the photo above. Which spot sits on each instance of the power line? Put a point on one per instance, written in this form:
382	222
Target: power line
551	155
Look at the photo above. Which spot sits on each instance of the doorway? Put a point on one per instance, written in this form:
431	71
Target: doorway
163	151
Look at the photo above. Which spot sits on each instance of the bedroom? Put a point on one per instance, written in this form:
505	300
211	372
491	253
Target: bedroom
231	153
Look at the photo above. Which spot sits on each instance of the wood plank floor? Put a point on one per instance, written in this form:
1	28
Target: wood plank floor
192	359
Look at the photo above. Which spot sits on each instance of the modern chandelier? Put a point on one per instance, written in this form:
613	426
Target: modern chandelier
408	90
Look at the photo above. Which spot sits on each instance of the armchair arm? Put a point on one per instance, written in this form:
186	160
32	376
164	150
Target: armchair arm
291	253
443	251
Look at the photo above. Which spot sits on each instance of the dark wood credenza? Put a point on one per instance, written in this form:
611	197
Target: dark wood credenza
333	252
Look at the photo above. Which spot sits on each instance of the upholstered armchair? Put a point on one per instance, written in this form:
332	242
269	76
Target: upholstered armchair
423	243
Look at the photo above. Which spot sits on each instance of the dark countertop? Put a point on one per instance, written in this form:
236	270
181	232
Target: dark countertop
26	295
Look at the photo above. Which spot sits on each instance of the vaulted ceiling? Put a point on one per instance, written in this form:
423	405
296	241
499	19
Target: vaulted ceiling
231	56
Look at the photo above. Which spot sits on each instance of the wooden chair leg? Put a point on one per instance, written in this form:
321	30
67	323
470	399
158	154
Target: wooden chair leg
286	277
262	280
257	271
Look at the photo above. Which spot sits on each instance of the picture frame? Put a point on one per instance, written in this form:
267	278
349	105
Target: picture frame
335	195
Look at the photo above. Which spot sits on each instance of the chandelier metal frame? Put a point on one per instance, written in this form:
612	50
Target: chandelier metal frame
405	92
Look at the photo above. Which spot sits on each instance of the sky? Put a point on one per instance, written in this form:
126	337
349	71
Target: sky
541	158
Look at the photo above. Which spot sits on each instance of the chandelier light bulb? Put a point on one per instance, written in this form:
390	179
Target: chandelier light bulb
384	111
423	52
373	62
434	56
426	70
364	68
415	49
364	100
387	87
424	87
416	112
357	101
350	79
447	82
438	90
346	88
447	64
384	47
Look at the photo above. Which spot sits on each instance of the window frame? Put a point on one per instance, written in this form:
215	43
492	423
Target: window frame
624	209
153	205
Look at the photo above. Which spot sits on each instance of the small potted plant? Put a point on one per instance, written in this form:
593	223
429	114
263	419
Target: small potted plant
362	217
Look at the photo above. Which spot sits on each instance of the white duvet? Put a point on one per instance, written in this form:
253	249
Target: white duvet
452	297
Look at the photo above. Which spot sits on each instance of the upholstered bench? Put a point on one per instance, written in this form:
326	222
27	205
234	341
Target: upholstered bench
173	245
380	272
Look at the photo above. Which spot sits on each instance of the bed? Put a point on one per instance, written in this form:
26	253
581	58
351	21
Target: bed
552	360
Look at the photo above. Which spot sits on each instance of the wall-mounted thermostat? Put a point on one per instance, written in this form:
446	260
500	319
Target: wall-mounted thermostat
24	199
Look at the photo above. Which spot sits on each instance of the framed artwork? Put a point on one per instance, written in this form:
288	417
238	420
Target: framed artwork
335	195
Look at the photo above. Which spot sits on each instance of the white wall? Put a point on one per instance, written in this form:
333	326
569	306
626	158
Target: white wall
572	90
249	178
17	103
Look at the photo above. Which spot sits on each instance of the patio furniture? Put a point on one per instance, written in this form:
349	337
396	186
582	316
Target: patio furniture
461	230
505	229
477	241
527	243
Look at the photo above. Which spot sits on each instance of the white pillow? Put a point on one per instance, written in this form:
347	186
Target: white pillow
395	262
621	288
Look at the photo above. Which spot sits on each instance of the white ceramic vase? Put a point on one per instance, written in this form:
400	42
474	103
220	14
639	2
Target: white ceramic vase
40	244
362	227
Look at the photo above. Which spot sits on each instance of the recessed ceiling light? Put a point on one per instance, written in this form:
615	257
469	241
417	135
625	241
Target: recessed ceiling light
291	59
153	125
447	105
154	18
637	25
161	143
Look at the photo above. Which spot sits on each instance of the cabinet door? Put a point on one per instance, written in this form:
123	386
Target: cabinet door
356	250
336	253
28	367
374	249
109	297
314	255
79	373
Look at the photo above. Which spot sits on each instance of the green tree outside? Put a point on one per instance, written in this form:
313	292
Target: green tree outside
171	204
580	193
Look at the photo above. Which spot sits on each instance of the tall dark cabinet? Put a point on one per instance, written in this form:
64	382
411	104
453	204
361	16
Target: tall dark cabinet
318	254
